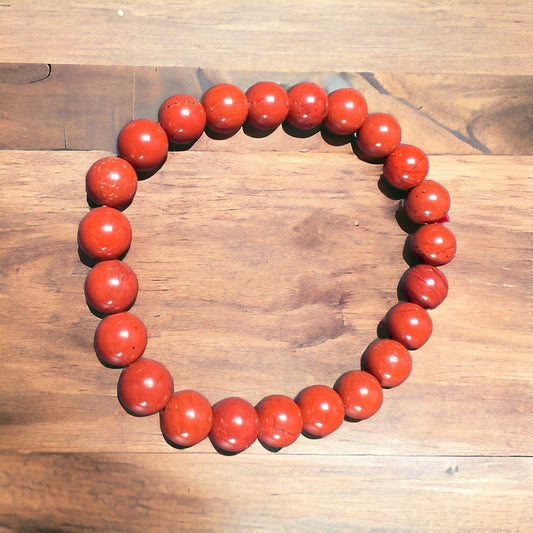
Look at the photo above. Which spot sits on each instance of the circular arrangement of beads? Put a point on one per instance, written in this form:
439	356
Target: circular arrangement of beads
145	387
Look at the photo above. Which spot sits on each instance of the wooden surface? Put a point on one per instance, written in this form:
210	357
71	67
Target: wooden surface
265	265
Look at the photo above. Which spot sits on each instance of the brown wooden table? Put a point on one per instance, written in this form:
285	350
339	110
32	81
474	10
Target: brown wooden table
265	265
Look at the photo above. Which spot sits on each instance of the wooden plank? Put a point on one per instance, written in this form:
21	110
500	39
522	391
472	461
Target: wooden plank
256	279
487	114
402	36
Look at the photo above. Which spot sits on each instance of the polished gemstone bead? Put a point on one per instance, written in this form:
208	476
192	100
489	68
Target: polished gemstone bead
424	285
409	324
143	143
388	361
120	339
111	287
406	167
226	108
427	202
280	421
144	387
235	425
269	105
379	135
347	111
111	181
183	118
361	393
322	409
308	106
433	244
104	233
187	418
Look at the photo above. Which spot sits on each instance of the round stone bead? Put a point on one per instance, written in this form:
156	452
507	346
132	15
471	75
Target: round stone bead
186	419
409	324
424	285
269	105
111	181
308	106
322	410
361	393
143	143
235	425
433	244
379	135
427	202
347	111
144	387
120	339
183	118
111	287
406	167
226	108
104	233
280	421
388	361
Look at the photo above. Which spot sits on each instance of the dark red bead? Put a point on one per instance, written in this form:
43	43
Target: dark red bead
269	105
433	244
308	106
427	202
347	111
424	285
226	108
388	361
280	421
361	393
183	118
406	167
379	135
322	410
409	324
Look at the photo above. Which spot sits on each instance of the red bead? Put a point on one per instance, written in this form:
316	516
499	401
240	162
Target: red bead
280	421
379	135
120	339
104	233
187	418
361	393
347	111
427	202
322	410
111	181
143	143
406	167
269	105
433	244
424	285
144	387
111	287
308	106
183	118
235	425
388	361
226	108
409	324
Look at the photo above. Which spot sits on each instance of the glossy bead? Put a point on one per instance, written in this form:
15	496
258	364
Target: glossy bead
144	387
427	202
409	324
111	181
347	111
388	361
143	143
280	421
406	167
111	287
361	393
235	425
104	233
308	106
187	418
269	105
183	118
424	285
120	339
322	410
379	135
226	108
433	244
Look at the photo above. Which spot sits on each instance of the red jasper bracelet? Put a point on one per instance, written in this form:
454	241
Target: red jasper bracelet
145	387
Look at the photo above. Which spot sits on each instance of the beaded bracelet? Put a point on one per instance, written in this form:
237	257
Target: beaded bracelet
145	387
